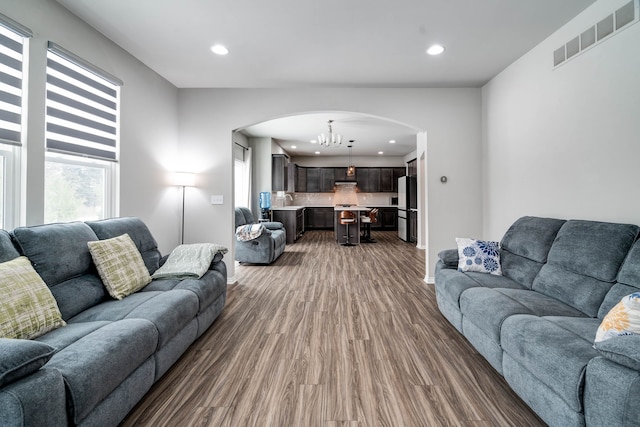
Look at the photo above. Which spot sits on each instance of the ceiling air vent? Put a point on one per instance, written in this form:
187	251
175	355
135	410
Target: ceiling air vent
600	31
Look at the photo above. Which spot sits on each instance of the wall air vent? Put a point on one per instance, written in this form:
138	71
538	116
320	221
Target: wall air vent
605	28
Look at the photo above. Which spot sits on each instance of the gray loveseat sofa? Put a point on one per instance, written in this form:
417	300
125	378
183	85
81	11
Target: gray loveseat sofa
94	370
537	322
265	248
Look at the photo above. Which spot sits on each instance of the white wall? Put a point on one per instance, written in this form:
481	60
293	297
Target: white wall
451	118
149	125
565	142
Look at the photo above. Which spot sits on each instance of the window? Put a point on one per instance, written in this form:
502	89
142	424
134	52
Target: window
13	37
242	177
82	132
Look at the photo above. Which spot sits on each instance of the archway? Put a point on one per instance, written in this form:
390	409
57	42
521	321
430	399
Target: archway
343	122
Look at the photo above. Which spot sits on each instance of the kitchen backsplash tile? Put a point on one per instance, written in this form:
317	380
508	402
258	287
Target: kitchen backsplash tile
326	199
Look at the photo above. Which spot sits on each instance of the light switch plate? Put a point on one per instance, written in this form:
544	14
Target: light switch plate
217	199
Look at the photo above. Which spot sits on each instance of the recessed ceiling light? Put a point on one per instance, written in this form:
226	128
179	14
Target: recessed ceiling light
317	152
294	147
218	49
392	141
313	141
435	49
380	152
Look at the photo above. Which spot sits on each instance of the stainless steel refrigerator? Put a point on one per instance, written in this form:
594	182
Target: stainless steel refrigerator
407	206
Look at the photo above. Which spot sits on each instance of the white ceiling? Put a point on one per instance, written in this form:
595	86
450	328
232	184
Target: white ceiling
370	134
329	43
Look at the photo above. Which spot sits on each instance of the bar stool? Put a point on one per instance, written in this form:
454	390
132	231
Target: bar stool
368	219
346	218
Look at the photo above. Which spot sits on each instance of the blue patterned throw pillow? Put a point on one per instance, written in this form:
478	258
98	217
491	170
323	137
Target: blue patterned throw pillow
479	255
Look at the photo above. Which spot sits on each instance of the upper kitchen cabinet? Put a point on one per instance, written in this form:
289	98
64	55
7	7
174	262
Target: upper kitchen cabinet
279	173
368	179
394	173
412	168
340	174
286	176
327	180
300	179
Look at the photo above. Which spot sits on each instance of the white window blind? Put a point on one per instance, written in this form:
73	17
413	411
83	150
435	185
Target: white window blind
12	36
82	107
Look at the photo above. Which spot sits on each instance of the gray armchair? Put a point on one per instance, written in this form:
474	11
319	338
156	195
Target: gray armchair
263	249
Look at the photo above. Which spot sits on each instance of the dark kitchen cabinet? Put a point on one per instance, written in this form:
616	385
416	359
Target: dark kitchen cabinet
318	218
279	173
327	180
368	180
293	221
412	168
313	180
340	174
397	173
301	179
388	218
386	180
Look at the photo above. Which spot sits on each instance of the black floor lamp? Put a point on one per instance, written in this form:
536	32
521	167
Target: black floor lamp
184	180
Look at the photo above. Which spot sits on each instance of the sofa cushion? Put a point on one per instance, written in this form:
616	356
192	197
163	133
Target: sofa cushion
137	230
478	255
27	307
168	311
120	265
58	251
452	283
60	255
525	246
19	358
555	350
583	263
243	216
99	362
488	308
628	281
7	250
208	288
622	319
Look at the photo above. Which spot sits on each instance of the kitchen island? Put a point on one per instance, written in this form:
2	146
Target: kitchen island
292	217
354	228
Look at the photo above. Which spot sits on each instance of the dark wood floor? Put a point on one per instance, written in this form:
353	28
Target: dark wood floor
333	336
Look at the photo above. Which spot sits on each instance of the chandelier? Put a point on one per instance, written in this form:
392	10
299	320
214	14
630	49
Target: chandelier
351	170
332	139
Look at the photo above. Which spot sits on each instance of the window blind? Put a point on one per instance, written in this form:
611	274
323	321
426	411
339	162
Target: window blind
82	105
12	36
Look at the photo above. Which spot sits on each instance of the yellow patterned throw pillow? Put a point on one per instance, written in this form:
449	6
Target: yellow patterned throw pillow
622	319
27	307
120	265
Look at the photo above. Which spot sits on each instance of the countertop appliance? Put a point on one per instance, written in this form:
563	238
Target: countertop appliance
407	202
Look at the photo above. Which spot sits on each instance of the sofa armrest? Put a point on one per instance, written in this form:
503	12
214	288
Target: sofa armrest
20	358
273	225
38	400
449	257
623	350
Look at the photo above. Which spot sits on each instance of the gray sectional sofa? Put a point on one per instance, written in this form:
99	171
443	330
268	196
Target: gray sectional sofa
95	369
536	323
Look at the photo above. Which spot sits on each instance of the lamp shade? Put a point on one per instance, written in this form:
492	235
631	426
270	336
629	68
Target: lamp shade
183	179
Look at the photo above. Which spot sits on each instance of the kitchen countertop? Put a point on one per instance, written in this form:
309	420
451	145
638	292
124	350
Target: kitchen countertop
287	208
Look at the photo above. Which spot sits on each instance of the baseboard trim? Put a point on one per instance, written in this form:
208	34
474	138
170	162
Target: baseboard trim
430	280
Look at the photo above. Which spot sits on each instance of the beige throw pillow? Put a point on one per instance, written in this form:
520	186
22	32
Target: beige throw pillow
120	265
27	307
